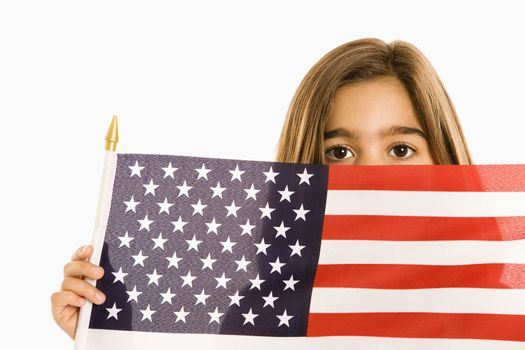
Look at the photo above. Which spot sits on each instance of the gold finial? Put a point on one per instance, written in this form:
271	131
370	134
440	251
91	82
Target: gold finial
112	135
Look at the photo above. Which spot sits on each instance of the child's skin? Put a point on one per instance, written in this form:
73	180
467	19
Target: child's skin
65	304
352	136
360	112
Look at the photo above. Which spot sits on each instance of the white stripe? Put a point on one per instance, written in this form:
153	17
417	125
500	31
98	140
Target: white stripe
421	252
101	221
103	339
425	203
450	300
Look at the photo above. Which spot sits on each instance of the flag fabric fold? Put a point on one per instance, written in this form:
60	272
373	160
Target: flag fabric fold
229	254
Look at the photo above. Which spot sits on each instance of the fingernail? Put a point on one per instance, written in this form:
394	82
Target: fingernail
96	270
81	302
99	297
83	249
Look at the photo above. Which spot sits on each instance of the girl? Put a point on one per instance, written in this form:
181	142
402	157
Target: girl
365	102
365	99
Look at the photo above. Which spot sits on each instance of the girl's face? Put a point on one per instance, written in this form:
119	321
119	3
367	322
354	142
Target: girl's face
374	123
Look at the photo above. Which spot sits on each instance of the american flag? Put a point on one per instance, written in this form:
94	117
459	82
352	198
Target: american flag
203	252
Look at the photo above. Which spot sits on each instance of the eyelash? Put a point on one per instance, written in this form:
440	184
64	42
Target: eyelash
393	146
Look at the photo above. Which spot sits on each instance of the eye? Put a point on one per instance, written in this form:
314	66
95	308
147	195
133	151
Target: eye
401	151
339	153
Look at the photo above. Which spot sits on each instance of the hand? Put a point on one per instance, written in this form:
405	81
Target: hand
65	305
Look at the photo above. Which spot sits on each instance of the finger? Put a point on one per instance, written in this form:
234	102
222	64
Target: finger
82	253
83	269
64	298
83	289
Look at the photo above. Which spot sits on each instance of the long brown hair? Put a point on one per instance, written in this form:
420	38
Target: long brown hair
301	138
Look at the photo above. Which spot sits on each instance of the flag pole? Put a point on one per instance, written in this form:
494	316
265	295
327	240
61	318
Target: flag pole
112	135
101	220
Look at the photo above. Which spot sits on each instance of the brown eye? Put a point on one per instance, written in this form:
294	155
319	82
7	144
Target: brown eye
338	153
401	151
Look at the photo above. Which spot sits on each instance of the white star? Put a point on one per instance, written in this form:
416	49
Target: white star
213	226
290	284
261	247
203	172
136	169
188	279
269	300
232	209
165	206
201	298
235	299
217	190
266	211
256	283
159	242
227	245
281	230
283	319
276	266
270	175
247	228
167	296
174	261
184	190
113	311
125	240
251	192
242	264
296	248
193	243
147	313
131	205
305	177
150	188
208	262
236	173
153	277
179	225
285	194
181	315
139	258
119	275
301	213
221	281
133	294
198	207
169	170
144	223
249	317
215	316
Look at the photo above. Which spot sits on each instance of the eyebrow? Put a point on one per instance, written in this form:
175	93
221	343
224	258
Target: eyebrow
384	132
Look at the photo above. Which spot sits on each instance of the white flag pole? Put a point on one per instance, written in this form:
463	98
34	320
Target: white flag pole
101	221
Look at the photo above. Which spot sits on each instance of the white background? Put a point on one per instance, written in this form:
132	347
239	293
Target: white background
209	78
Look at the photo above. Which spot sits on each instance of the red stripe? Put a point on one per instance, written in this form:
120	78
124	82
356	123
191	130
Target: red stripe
491	178
419	325
410	228
394	276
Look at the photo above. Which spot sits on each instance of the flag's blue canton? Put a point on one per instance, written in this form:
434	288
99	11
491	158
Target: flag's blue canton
200	245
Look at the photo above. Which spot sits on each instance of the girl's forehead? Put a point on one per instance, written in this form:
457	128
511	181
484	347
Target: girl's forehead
371	106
